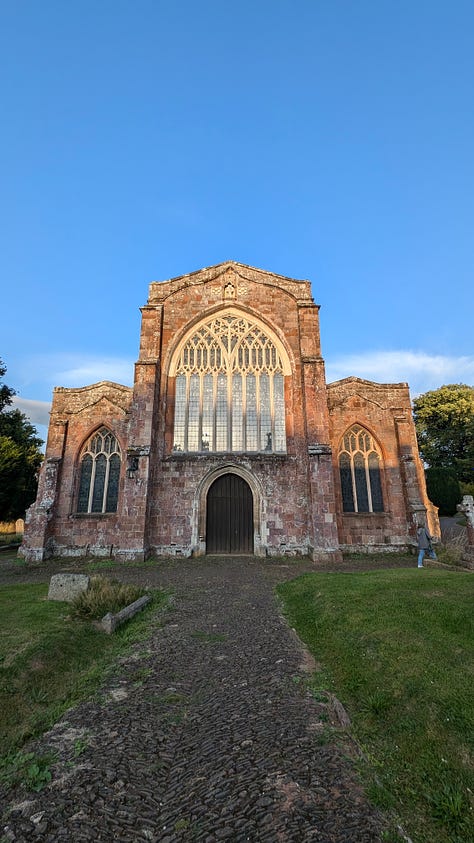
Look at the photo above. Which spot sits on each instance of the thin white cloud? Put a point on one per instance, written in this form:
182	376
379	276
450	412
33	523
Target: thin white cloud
41	373
36	411
80	370
422	371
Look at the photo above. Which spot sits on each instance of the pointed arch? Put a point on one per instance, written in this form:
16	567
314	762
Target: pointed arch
257	493
100	463
229	372
230	519
360	471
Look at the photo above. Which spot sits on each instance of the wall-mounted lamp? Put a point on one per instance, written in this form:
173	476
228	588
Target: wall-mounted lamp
132	467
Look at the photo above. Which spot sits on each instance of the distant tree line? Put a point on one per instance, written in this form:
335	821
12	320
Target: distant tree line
20	457
444	421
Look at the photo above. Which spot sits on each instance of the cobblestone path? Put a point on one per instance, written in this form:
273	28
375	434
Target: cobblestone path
206	733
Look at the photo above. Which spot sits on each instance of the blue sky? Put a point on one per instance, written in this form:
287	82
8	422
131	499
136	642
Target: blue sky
330	140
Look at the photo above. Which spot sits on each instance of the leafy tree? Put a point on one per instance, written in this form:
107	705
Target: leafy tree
444	421
443	489
6	393
20	457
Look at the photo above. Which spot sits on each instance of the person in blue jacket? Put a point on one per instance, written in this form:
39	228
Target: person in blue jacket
424	545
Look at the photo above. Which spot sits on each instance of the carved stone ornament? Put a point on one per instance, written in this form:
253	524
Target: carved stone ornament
233	272
467	507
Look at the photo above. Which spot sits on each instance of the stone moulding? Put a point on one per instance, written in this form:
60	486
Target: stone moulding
318	450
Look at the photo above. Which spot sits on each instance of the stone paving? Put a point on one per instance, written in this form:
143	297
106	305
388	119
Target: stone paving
207	731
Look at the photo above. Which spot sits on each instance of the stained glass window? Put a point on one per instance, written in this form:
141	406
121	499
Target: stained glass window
85	484
193	413
346	482
100	465
229	389
360	472
375	482
279	412
251	413
237	417
100	473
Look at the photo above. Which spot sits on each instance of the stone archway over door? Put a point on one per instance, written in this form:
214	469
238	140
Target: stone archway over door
229	527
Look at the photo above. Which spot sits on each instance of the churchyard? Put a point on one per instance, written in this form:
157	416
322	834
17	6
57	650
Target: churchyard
392	644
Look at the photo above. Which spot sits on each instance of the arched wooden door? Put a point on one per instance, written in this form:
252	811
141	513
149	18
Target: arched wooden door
229	523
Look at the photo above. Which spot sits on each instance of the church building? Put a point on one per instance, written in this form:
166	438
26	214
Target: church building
230	440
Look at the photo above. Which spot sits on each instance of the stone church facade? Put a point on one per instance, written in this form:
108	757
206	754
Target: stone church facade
230	440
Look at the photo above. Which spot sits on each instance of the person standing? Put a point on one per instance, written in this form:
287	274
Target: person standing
424	544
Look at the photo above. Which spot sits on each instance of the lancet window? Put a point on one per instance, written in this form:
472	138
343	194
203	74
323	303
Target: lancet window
360	472
229	389
99	473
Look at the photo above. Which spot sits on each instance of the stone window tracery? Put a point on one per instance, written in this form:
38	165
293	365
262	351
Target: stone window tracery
229	389
360	472
99	473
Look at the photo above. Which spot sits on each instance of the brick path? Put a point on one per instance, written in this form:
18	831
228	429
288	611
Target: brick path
206	732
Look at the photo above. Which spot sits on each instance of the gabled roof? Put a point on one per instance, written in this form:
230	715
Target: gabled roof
72	400
372	384
385	395
229	272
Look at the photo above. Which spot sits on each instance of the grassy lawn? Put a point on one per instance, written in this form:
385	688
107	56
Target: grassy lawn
49	661
396	647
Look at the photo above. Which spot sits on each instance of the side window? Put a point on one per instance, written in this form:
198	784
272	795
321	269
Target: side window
360	472
99	473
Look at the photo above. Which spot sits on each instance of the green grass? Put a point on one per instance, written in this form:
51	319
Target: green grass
396	647
97	565
50	661
10	538
10	556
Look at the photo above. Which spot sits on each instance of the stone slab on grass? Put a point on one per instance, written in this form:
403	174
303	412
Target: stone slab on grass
67	587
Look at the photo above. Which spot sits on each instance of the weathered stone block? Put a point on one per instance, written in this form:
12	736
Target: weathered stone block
67	586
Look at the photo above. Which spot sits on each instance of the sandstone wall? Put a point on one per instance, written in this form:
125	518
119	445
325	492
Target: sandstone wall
297	495
385	411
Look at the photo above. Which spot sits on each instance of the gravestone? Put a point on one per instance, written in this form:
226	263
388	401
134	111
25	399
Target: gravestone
67	587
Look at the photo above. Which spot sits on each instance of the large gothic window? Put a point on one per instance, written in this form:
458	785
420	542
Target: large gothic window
359	466
100	473
229	389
